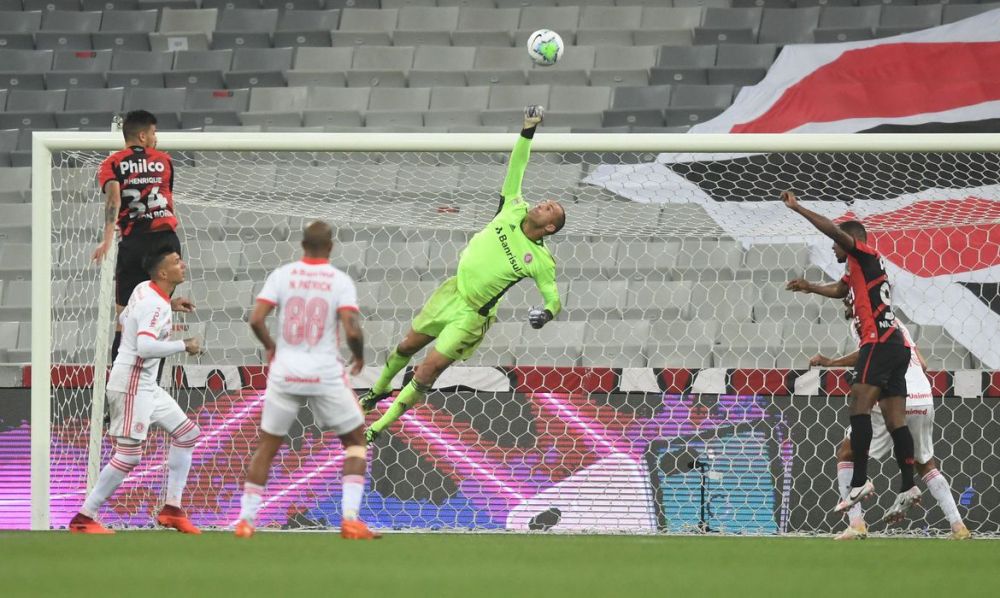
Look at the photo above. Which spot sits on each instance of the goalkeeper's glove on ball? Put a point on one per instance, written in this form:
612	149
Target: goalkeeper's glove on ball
538	317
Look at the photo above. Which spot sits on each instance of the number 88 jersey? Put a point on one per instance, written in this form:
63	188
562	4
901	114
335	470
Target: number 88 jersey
309	295
146	177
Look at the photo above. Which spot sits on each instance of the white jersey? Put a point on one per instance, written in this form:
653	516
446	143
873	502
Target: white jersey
309	295
918	387
147	313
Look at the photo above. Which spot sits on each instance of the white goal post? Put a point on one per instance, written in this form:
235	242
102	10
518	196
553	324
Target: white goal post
48	145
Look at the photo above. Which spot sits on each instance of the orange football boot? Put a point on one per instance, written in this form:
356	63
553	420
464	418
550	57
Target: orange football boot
244	529
175	517
357	530
81	524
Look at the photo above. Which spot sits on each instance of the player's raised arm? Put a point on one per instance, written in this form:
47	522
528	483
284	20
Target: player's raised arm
834	362
112	206
350	320
546	283
833	290
822	223
510	194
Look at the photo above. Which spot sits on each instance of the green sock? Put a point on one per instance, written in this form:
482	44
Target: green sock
411	394
393	365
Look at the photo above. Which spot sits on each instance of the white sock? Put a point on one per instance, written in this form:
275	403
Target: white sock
941	492
122	462
354	487
178	465
253	496
845	471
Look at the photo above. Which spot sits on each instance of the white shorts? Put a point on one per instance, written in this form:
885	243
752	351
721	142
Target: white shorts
131	415
338	411
920	421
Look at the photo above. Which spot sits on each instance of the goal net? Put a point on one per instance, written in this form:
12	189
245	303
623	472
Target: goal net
673	394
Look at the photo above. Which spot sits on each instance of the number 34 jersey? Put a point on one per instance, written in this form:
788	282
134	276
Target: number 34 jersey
309	295
146	177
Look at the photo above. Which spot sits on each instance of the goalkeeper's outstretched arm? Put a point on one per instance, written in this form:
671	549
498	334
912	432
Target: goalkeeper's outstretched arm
510	194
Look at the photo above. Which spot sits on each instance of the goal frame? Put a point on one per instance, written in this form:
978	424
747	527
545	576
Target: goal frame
45	144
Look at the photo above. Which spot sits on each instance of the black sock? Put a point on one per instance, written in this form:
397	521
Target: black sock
115	344
902	444
861	441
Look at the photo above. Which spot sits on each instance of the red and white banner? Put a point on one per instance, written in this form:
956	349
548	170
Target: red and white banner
936	218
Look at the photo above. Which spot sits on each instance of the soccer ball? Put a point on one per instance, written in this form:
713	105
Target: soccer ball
545	47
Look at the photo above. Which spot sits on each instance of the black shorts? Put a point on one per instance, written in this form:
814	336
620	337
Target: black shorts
883	365
131	251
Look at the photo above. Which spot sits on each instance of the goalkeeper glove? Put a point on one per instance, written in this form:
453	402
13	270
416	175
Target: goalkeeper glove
533	115
538	317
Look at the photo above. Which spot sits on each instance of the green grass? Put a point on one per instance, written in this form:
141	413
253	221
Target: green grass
146	564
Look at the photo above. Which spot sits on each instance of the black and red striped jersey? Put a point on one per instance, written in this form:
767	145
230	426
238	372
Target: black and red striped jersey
871	295
146	177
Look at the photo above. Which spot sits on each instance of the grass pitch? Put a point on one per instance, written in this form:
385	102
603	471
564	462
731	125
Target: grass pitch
148	564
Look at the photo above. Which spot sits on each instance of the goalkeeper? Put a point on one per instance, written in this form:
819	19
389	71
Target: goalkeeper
461	310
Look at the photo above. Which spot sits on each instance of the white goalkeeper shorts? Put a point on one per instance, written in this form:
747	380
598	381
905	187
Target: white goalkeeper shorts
336	411
920	421
133	413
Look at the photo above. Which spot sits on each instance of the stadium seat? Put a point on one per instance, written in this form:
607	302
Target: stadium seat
15	260
260	257
324	67
674	344
435	66
956	12
563	19
188	20
130	21
71	21
803	340
425	25
656	299
335	106
847	23
231	4
940	350
896	20
396	261
259	67
90	107
622	18
384	103
508	101
499	66
305	28
558	345
788	25
380	338
595	299
20	22
53	100
166	104
572	69
120	40
366	27
776	263
617	66
723	301
748	345
738	64
245	28
729	26
375	66
708	259
577	106
483	27
684	65
231	343
51	5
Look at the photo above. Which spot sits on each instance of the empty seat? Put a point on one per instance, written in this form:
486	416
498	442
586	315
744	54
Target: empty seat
656	299
120	40
708	259
904	19
695	103
425	25
847	23
71	21
803	340
129	21
440	66
90	107
577	106
332	106
82	61
149	62
673	344
58	40
396	261
16	41
623	18
201	69
380	66
188	20
231	4
739	64
51	5
724	301
688	65
248	20
479	26
399	99
53	100
271	105
320	66
449	104
506	100
560	345
499	66
26	61
940	350
788	25
364	26
747	345
657	18
20	22
557	18
642	106
616	66
305	28
776	263
259	67
596	299
957	12
208	106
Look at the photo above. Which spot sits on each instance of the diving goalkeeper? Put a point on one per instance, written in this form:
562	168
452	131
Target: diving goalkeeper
461	310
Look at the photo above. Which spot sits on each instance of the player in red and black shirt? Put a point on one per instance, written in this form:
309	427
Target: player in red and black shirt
880	373
138	182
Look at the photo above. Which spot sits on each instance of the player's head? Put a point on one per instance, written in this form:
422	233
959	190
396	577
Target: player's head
856	230
317	239
548	215
164	265
139	128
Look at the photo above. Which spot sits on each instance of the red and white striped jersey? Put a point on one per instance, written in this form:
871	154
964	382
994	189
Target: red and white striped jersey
309	295
147	313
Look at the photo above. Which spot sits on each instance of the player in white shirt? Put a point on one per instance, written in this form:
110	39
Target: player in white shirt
136	401
920	420
313	299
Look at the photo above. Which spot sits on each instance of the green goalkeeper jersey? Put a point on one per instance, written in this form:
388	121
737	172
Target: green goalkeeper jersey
500	255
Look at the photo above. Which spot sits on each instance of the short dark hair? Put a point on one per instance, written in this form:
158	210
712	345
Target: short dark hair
152	261
136	122
562	220
855	229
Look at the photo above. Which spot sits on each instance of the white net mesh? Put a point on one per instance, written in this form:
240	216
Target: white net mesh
673	393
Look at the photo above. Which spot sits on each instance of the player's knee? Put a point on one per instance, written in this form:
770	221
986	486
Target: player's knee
186	435
126	456
356	451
